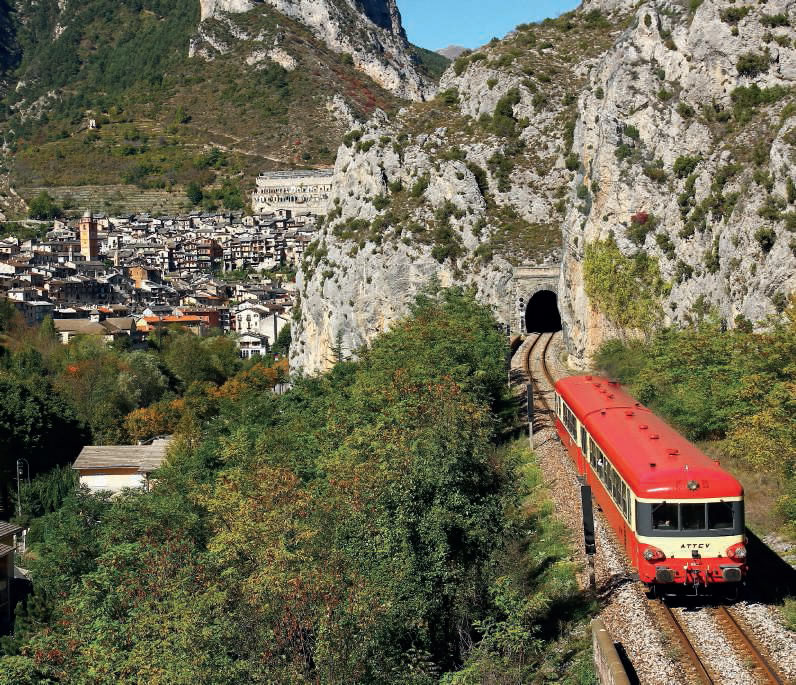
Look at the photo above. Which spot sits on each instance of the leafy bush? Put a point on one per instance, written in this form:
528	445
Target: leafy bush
641	225
43	207
685	110
503	121
628	290
746	99
772	208
706	380
631	131
655	171
774	20
732	15
766	237
501	166
449	97
194	193
352	137
381	202
573	162
752	64
685	165
420	186
665	243
712	260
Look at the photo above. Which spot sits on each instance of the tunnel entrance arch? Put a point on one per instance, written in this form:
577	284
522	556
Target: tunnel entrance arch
541	313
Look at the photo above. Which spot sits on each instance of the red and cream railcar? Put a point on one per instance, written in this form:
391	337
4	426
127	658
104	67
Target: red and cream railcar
678	514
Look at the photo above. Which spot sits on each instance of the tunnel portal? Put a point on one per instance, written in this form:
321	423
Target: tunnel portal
541	313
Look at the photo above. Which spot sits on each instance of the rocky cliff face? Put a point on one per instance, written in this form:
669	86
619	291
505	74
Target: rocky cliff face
673	128
651	138
368	30
458	191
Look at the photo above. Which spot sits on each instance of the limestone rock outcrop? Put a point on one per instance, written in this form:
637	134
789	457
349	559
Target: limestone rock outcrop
667	130
664	93
370	31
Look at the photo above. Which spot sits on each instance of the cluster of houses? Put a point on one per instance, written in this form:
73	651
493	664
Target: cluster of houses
127	276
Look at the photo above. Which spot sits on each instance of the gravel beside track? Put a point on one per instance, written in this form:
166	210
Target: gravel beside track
777	642
721	657
625	609
629	616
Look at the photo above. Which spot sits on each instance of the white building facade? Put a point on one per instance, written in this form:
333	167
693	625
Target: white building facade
300	192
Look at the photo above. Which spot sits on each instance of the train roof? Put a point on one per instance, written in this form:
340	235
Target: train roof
656	461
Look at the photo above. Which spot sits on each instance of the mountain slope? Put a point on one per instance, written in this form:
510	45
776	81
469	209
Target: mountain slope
648	149
461	189
261	87
370	31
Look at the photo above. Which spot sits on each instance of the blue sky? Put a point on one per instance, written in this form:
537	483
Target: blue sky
435	24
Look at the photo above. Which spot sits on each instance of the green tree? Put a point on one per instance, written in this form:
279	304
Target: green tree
43	207
283	340
194	193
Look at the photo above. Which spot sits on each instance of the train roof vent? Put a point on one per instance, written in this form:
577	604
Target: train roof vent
629	412
652	464
610	396
672	451
654	436
643	426
588	378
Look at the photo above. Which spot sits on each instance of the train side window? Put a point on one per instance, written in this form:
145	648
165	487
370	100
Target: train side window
664	516
692	516
720	516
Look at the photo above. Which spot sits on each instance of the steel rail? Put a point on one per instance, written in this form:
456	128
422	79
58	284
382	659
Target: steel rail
526	363
685	643
750	647
546	370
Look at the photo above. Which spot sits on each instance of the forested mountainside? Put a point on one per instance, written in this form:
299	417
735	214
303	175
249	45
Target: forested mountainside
647	145
168	80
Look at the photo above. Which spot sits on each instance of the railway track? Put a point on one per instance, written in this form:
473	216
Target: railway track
699	650
736	635
545	370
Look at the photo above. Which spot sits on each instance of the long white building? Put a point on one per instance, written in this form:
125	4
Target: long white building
300	192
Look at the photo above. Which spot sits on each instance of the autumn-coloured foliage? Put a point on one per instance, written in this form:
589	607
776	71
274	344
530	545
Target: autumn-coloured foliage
361	527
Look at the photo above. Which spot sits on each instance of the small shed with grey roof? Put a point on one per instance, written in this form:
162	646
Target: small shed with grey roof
115	467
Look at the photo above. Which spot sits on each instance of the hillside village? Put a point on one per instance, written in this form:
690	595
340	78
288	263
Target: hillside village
125	276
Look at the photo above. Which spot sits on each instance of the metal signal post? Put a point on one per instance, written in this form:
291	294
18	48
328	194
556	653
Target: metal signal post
529	401
588	531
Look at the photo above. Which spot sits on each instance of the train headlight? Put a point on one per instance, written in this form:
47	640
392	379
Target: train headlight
654	554
737	552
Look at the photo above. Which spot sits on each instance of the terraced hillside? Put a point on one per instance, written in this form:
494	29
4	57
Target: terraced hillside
258	86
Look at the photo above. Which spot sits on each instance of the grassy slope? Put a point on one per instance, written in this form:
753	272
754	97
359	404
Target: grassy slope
262	117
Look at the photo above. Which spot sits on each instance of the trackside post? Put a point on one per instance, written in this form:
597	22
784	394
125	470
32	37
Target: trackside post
529	401
588	530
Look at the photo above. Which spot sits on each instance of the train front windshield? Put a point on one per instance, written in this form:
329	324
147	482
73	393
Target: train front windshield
672	519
